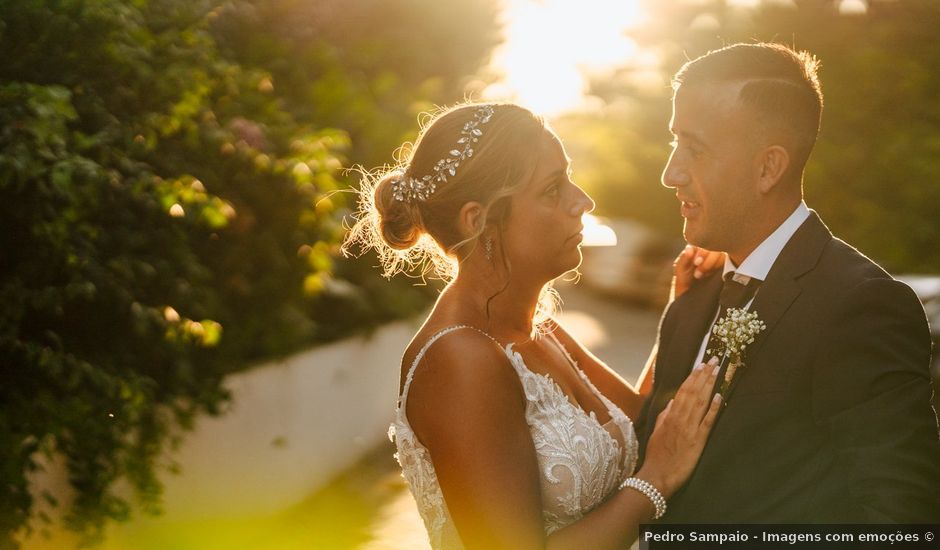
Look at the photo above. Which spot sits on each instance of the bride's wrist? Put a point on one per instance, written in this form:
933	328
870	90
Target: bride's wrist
657	479
649	490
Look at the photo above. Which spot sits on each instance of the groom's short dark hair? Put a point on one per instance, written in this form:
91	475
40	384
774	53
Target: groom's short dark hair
780	84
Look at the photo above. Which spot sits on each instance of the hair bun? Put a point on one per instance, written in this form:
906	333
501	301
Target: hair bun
399	221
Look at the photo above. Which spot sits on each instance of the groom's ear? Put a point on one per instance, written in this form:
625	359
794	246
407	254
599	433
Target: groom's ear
774	161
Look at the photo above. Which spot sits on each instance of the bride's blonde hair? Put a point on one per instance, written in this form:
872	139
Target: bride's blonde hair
422	235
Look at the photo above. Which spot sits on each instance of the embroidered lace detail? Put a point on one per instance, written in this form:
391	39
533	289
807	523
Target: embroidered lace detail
581	463
618	416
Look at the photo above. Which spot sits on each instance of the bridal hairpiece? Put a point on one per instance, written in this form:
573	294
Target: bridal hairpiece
410	189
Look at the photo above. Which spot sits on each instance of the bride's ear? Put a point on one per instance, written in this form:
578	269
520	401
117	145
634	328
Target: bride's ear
774	161
470	219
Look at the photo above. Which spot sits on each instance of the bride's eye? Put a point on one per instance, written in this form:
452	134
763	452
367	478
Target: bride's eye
552	190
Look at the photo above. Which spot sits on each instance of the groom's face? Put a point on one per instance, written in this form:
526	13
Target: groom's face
712	165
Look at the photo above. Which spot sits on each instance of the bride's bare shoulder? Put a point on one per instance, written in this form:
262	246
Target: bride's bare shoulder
444	335
452	349
461	374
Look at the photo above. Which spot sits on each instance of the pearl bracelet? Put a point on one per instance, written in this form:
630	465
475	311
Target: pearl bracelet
650	491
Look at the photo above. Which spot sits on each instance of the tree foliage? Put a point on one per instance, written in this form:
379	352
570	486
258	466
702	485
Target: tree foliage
168	210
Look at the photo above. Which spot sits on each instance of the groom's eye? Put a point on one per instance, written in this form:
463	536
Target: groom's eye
692	150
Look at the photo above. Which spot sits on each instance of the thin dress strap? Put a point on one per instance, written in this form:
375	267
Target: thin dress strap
414	365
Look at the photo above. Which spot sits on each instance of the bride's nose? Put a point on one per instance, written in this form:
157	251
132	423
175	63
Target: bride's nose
582	204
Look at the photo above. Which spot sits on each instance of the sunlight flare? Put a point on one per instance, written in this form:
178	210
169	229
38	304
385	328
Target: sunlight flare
552	46
597	233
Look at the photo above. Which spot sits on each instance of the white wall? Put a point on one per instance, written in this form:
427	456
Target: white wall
291	427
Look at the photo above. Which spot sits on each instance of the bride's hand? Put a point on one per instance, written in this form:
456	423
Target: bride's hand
691	264
681	431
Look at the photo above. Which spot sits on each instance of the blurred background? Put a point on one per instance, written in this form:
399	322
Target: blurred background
186	361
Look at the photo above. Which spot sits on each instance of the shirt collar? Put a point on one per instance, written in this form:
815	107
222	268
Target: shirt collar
758	263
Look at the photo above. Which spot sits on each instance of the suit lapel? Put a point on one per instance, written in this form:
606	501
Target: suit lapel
782	286
695	310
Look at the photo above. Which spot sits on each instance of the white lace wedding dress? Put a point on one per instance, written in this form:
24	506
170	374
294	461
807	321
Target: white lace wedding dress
581	461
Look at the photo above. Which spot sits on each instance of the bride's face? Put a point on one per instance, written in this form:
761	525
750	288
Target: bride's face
542	236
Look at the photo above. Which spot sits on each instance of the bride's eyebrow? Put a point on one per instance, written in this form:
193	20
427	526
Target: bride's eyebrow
555	175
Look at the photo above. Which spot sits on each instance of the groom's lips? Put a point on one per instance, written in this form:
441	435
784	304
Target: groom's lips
689	208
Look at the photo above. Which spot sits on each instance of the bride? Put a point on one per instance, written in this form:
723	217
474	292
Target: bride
509	432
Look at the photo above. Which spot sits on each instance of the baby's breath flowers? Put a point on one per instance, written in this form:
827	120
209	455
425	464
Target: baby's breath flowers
735	332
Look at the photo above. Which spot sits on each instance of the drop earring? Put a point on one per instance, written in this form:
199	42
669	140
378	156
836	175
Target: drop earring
488	248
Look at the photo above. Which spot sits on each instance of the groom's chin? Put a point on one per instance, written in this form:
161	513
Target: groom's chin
691	236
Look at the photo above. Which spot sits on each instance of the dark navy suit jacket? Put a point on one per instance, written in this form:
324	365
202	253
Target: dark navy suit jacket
830	418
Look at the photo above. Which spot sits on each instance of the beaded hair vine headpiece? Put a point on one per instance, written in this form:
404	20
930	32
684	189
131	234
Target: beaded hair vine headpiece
410	189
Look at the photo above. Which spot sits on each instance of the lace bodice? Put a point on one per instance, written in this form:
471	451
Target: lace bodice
581	462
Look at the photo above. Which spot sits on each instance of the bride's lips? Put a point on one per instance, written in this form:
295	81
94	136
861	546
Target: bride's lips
577	237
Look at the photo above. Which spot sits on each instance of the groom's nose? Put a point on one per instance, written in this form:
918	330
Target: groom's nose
674	175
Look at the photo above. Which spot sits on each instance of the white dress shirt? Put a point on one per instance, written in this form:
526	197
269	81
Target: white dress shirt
758	263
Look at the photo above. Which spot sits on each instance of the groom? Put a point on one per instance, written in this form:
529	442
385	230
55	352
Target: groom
829	419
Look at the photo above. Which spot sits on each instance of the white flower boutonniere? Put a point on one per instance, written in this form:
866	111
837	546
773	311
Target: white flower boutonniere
735	331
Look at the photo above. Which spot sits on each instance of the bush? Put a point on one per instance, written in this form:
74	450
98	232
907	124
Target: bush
169	212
